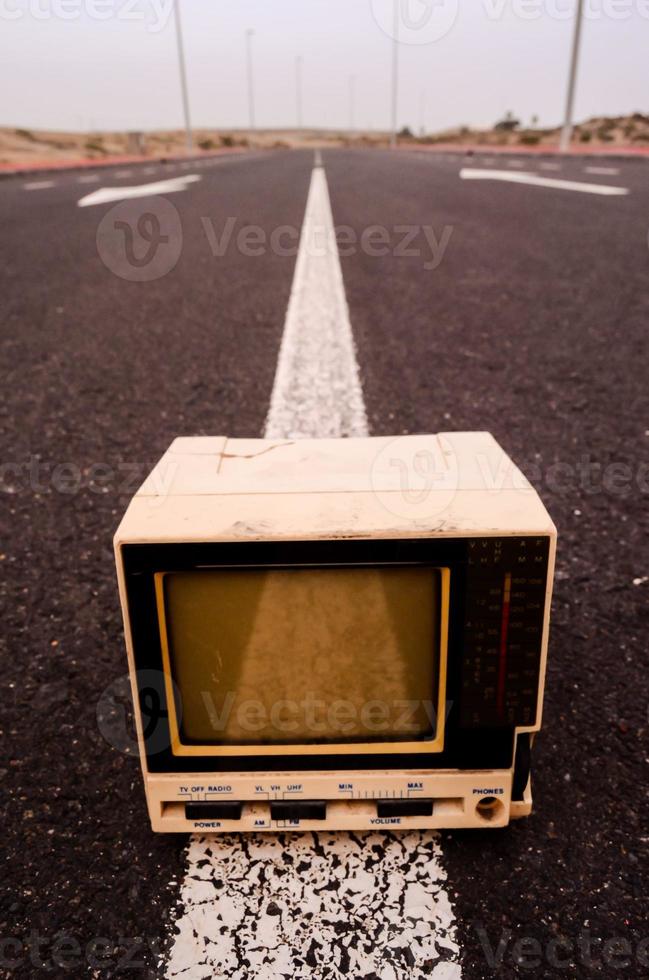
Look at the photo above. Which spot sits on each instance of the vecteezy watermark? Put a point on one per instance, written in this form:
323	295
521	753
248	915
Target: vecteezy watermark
528	953
375	241
115	718
153	14
66	952
415	21
39	476
316	716
594	10
427	21
409	472
236	718
140	240
415	477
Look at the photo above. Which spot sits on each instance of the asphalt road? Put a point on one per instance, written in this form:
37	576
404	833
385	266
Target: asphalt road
524	310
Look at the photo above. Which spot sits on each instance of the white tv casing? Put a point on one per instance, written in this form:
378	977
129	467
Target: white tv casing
216	489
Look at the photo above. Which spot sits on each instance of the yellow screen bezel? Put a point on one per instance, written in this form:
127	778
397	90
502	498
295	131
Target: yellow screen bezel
430	747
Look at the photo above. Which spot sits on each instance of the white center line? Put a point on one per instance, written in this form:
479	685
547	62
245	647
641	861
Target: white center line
88	179
123	173
249	913
317	391
38	185
604	171
518	164
261	905
550	166
533	180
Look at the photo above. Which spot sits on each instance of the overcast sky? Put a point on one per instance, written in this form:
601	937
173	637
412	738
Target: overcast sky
112	64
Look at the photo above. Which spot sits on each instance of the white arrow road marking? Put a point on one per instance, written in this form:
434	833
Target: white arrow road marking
104	195
281	902
562	185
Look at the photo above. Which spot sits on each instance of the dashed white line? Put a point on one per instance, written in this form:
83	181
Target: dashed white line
518	164
262	908
149	170
88	179
550	166
603	171
123	173
535	181
38	185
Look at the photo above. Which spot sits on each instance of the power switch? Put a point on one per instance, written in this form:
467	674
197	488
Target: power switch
217	810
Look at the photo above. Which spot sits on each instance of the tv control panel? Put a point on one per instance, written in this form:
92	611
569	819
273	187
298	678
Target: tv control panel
364	801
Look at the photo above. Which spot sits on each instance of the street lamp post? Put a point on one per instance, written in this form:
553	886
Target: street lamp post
395	75
352	104
566	132
298	90
251	89
183	77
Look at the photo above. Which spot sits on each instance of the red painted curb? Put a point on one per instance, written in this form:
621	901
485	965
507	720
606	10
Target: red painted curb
85	163
542	149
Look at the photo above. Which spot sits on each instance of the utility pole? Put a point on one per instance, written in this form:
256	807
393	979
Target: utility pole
352	104
298	90
395	75
566	133
183	77
251	90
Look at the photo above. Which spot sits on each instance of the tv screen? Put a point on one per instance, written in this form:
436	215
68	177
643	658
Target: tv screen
287	656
